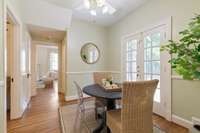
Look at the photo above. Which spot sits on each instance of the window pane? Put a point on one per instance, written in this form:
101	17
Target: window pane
156	67
147	67
157	77
156	39
147	77
157	96
147	54
128	76
147	42
156	53
131	67
134	77
53	61
132	45
131	56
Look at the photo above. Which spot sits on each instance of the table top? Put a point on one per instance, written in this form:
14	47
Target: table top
98	91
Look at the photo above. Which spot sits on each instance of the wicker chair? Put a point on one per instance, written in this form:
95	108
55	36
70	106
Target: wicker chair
137	108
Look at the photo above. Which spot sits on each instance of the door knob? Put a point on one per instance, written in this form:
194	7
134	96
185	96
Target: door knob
12	80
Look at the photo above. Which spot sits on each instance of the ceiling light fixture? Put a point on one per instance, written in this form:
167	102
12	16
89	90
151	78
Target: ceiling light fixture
99	6
93	13
87	4
105	10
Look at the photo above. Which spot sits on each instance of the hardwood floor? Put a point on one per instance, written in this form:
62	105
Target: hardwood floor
42	116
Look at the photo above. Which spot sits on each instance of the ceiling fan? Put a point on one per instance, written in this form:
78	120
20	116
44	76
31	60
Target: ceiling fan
95	7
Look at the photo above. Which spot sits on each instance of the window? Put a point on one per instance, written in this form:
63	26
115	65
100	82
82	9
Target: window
93	55
131	62
53	61
23	61
152	60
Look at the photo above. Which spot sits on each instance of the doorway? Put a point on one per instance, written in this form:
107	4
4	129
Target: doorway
142	60
47	66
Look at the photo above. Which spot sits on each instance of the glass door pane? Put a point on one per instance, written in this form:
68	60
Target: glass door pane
152	66
131	58
152	59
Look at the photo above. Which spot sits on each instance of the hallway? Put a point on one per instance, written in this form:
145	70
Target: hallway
41	116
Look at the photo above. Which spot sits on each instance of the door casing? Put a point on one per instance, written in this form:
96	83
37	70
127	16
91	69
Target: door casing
167	107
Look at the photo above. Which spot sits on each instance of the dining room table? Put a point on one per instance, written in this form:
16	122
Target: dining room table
108	96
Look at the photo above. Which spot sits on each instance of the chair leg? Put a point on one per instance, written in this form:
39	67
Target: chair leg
96	114
108	130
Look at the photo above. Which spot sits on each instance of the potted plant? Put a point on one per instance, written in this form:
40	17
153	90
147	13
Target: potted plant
186	51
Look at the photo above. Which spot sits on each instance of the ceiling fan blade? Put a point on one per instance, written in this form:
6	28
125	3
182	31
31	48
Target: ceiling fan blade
80	7
111	9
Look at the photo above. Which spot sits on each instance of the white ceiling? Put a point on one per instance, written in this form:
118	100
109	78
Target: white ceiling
124	7
45	14
46	34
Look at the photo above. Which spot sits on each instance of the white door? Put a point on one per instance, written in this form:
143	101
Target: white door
142	60
26	70
130	58
152	41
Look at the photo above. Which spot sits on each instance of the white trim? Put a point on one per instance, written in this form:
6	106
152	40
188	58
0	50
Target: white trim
195	121
45	43
75	97
3	87
183	122
70	98
167	68
150	27
177	77
90	72
1	84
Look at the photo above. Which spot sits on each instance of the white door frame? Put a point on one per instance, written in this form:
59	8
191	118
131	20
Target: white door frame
2	83
167	98
16	92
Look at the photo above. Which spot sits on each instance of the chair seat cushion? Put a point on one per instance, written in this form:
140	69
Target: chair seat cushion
114	120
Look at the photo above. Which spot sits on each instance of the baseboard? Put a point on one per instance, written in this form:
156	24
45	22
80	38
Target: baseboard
71	98
182	122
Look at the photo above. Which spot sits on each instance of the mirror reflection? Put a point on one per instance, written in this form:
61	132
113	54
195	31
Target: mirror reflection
90	53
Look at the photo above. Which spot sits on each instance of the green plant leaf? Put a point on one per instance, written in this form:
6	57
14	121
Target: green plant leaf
186	61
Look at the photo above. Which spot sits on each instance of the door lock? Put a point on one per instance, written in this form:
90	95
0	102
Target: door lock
12	80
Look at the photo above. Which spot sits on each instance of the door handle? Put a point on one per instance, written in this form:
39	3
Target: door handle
28	75
12	79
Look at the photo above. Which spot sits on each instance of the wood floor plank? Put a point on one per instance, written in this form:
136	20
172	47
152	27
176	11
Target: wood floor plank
42	116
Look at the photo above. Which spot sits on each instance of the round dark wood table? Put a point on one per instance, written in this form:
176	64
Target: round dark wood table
109	98
98	91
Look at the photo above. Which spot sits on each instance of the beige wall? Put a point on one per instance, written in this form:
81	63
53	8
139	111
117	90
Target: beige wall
80	33
151	13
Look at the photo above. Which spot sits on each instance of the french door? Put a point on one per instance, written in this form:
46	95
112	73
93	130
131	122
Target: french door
142	60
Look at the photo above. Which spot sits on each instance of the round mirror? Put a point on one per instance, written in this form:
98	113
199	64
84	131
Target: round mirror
90	53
